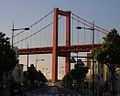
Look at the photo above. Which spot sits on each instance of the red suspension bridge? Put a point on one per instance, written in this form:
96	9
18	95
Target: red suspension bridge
56	34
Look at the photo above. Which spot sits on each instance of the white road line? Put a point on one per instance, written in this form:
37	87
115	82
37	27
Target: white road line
49	95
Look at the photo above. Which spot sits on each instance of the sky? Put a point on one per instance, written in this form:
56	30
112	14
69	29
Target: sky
104	13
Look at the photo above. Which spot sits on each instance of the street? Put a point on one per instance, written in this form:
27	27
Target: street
51	91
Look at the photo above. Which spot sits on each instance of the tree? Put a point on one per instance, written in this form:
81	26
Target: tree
8	58
32	73
67	80
78	73
41	77
109	53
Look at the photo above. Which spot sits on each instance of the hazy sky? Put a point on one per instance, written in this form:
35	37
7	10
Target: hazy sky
24	12
105	13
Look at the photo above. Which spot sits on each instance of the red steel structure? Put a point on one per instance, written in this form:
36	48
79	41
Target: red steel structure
56	50
61	49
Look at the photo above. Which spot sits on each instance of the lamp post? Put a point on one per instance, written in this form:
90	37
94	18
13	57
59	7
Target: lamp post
14	29
37	61
79	27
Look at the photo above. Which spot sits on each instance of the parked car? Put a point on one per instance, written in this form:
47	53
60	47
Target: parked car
17	89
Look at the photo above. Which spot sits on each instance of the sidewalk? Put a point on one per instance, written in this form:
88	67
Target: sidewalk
84	92
4	92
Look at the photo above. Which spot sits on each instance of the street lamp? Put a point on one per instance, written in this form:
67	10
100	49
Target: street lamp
79	27
37	61
14	29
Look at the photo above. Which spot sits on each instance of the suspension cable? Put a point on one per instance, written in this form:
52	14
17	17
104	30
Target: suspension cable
89	22
35	32
34	23
89	25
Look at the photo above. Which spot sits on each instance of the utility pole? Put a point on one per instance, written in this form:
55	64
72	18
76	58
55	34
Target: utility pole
27	59
79	27
37	61
14	29
12	34
93	61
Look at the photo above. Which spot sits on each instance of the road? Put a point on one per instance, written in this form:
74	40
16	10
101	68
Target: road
51	91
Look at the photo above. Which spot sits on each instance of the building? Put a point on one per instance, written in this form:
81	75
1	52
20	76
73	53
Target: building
18	73
101	72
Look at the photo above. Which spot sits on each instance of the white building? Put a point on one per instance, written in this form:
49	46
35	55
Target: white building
18	73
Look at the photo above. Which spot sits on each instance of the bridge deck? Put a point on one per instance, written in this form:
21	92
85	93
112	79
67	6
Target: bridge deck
61	49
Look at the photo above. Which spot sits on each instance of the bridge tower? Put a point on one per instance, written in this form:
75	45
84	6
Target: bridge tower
55	51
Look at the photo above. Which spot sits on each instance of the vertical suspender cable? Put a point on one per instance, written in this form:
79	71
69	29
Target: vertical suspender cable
60	33
98	38
84	34
78	35
46	35
63	31
72	33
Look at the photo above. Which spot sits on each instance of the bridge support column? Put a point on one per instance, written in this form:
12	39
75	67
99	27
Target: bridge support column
67	61
55	51
55	46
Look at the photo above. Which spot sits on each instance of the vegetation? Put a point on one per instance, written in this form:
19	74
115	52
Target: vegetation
33	75
8	58
41	77
109	53
77	75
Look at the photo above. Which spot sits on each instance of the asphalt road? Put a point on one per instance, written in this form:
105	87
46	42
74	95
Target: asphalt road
51	91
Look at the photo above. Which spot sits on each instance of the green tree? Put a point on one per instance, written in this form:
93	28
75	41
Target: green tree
109	53
32	73
41	77
67	80
8	58
78	73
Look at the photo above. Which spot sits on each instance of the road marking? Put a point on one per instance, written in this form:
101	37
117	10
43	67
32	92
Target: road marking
50	95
